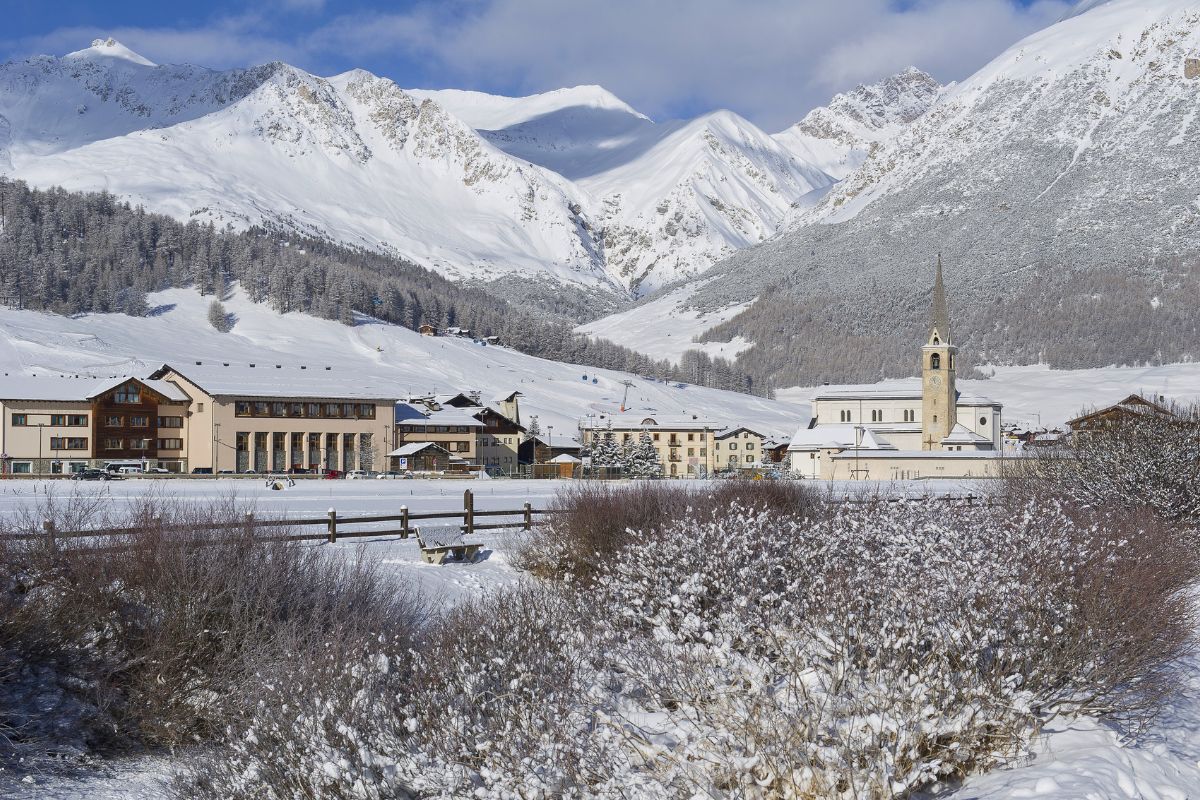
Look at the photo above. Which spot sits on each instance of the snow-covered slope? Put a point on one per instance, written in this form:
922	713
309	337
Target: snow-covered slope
669	198
1075	151
178	331
837	138
353	158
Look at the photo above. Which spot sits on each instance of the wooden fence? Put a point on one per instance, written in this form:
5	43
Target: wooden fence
334	527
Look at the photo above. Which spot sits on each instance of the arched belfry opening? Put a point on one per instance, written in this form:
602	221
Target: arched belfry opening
935	361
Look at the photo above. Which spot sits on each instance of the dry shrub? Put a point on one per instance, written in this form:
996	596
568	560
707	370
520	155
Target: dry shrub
156	637
590	522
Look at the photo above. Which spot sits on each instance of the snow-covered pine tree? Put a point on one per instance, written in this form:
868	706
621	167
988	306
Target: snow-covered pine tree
606	453
643	458
218	317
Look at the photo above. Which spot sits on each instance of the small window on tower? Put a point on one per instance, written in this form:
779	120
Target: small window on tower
935	361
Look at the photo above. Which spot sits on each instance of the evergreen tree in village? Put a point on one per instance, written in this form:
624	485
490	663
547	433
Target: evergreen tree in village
641	458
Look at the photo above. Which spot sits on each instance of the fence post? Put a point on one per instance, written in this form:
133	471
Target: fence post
469	511
332	526
403	522
48	529
970	498
528	516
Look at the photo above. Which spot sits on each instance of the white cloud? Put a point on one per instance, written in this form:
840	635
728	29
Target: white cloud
770	60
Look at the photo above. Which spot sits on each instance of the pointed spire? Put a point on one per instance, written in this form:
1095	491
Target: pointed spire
941	317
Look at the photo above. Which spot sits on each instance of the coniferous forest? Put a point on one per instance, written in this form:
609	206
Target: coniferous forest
74	253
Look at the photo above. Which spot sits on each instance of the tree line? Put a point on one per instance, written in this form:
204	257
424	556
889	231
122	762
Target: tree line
73	253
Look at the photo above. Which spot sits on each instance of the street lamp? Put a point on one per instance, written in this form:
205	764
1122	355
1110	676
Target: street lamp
550	428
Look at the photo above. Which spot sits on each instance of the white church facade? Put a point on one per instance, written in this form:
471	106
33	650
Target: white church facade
922	428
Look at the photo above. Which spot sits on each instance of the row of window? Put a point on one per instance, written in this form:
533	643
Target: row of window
114	443
734	445
908	415
281	408
434	428
110	421
56	420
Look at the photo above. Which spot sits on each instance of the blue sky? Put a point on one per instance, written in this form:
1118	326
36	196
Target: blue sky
769	60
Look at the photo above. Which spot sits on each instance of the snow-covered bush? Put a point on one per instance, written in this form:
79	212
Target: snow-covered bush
591	521
1140	460
151	638
866	653
883	649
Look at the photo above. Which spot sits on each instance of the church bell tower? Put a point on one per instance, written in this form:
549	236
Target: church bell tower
939	398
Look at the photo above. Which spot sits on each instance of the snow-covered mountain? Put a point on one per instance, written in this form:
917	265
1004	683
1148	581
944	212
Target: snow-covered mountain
670	198
1059	182
351	157
837	138
574	185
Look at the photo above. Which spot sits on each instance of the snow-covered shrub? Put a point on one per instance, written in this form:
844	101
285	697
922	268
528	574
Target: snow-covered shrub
591	521
883	649
867	652
159	632
1141	460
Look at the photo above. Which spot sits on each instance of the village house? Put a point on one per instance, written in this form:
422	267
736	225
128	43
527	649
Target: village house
275	418
60	425
738	448
917	429
685	445
1132	407
453	429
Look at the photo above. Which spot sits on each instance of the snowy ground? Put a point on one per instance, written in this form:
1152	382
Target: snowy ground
1079	759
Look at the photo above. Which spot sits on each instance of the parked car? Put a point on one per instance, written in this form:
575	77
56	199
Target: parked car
299	471
357	475
202	471
332	474
159	470
129	471
91	474
392	475
226	472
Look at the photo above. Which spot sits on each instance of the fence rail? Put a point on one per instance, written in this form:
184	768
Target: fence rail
331	523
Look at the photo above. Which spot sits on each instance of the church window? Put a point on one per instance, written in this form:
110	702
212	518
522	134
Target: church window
952	361
935	361
983	420
935	417
845	416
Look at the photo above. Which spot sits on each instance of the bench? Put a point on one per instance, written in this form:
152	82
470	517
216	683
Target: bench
437	543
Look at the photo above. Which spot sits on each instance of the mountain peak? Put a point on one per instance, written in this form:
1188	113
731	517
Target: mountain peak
111	48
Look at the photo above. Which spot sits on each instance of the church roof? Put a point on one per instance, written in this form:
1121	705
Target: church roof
905	389
961	434
839	437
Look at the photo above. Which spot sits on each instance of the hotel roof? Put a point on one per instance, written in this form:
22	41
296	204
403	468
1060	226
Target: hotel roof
80	389
272	380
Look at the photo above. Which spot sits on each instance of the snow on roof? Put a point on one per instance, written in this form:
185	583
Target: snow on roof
645	421
982	455
407	411
225	379
76	389
450	416
961	434
414	448
908	389
565	458
845	437
725	434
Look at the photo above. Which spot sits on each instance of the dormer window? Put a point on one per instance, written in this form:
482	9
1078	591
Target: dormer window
935	360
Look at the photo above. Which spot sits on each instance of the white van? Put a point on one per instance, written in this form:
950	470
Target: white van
126	467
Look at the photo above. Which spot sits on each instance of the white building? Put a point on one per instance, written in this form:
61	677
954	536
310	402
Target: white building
920	428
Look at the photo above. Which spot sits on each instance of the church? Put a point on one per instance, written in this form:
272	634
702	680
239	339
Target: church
922	428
